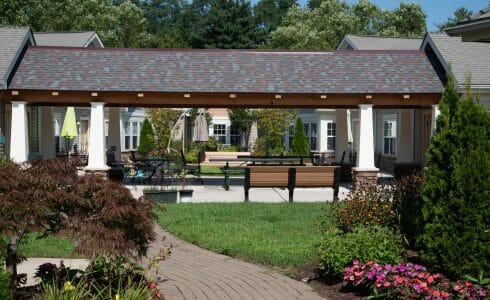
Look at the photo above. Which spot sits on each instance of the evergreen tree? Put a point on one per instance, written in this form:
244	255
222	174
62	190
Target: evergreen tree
221	24
147	138
268	14
300	141
456	206
460	14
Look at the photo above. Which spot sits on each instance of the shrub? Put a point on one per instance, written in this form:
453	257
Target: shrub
5	290
100	216
367	205
408	281
456	238
103	279
300	141
147	138
364	243
408	205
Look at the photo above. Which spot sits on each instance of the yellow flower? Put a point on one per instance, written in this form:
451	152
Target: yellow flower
68	287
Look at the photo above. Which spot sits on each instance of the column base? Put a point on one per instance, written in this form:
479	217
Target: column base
361	176
101	171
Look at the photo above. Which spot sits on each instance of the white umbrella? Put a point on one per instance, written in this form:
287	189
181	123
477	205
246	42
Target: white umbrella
200	132
349	128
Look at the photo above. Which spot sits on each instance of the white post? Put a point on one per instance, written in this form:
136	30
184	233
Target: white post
19	139
365	153
341	143
96	145
114	137
405	137
435	114
47	133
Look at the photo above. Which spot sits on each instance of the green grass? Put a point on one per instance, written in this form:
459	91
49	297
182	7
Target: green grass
46	247
283	235
211	170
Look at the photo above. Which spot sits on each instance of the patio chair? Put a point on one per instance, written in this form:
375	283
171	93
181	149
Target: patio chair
193	169
116	171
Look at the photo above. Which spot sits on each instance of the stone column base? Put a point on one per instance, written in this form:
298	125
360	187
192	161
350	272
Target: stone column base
362	176
97	172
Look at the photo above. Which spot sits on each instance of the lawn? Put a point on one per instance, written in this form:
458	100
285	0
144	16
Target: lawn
281	235
46	247
216	171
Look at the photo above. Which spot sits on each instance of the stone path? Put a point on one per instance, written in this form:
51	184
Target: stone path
194	273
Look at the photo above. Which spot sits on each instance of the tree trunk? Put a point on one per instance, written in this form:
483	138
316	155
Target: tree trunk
11	263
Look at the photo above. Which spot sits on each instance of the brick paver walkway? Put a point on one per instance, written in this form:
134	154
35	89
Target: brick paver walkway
194	273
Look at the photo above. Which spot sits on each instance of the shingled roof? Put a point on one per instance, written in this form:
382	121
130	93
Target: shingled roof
359	42
465	58
216	71
12	40
64	39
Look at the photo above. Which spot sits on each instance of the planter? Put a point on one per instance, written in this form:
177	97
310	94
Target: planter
165	196
186	196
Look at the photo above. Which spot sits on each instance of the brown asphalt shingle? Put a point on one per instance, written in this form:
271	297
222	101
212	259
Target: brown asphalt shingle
241	71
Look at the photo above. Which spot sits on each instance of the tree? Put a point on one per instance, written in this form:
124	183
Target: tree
268	14
222	24
323	26
99	216
300	141
456	205
242	119
163	120
273	125
120	25
166	21
459	15
147	138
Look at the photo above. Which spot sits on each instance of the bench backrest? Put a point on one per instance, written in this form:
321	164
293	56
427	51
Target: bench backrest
267	176
315	176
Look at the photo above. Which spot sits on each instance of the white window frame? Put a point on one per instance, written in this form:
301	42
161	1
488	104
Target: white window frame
308	132
390	148
131	134
220	132
331	134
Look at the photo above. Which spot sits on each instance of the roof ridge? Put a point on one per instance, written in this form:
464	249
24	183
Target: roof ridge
384	36
15	27
227	50
61	32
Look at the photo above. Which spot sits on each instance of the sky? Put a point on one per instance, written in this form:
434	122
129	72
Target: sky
437	11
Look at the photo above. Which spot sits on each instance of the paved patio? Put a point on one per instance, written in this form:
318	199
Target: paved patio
194	273
213	191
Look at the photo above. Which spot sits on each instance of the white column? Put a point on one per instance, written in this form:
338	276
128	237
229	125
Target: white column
96	144
341	143
405	137
435	114
114	137
19	139
47	133
365	153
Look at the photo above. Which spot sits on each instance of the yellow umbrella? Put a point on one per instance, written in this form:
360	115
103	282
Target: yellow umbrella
69	130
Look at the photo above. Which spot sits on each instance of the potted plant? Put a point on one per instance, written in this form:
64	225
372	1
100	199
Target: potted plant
161	195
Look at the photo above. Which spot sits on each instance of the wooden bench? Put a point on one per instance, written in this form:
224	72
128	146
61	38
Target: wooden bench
292	177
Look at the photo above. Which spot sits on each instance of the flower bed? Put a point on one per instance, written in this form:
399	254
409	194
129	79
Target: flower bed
408	281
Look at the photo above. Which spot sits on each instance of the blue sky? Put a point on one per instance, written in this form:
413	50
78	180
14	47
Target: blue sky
437	11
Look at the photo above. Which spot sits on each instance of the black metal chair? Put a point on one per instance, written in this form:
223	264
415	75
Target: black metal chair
193	169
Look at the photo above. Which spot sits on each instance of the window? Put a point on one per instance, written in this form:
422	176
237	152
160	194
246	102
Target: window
131	135
311	135
331	132
135	135
234	135
219	131
389	137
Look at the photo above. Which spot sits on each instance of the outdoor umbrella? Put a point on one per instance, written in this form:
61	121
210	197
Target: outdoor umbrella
200	133
349	128
69	130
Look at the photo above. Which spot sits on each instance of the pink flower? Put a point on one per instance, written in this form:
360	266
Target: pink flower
153	285
430	279
386	284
